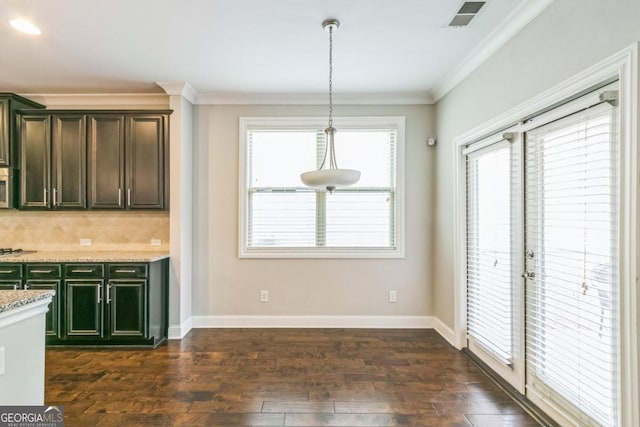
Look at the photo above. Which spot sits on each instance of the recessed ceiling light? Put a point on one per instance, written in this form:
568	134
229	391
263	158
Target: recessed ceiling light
25	26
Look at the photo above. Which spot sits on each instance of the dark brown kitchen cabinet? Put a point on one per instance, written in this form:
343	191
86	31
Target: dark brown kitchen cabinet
9	102
83	314
5	139
35	161
106	161
52	167
145	159
127	307
69	152
127	161
52	318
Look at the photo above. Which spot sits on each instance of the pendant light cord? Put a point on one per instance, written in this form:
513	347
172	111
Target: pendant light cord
331	77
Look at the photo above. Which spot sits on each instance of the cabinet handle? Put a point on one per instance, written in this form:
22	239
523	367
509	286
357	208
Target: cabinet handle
6	271
125	271
119	196
44	197
98	292
109	293
128	197
41	271
15	287
89	270
25	286
54	197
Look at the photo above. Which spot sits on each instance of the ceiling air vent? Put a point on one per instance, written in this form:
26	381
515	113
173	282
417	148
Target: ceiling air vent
466	13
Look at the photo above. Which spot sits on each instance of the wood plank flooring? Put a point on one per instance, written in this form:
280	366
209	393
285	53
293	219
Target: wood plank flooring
279	377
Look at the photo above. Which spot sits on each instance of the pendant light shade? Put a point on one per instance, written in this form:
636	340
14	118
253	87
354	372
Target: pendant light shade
333	177
329	179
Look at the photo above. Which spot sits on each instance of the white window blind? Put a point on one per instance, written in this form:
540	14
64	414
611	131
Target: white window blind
491	181
283	214
571	194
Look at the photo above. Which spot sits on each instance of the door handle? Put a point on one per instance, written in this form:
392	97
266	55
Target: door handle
98	292
55	202
528	274
109	293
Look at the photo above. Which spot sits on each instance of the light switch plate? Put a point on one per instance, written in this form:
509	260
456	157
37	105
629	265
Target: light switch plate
85	242
156	242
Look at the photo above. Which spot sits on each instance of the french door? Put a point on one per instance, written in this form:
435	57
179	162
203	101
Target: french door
494	305
572	263
543	260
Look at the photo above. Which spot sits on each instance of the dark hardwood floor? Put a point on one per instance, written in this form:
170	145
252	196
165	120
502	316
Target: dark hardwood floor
279	377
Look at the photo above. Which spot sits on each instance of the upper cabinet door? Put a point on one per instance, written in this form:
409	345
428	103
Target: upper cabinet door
35	147
106	162
5	139
145	161
69	151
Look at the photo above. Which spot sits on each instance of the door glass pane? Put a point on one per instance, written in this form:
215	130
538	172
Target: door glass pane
572	229
489	251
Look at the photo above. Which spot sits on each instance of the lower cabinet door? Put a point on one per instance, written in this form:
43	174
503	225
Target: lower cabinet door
53	315
83	313
10	285
127	302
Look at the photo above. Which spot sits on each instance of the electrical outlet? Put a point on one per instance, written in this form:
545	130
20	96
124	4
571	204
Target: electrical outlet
85	242
1	360
393	296
156	242
264	296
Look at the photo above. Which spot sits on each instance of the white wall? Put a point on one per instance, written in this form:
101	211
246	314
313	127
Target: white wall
569	36
223	284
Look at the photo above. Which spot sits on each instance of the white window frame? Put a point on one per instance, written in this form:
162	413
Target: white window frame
292	123
623	66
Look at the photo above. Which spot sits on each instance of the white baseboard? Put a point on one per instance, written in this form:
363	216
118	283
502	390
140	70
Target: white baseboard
177	332
373	322
445	331
381	322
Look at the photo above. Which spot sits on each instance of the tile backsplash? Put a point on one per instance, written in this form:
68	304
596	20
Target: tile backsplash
36	230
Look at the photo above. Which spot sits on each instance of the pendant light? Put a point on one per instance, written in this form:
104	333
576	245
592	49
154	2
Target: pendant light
329	179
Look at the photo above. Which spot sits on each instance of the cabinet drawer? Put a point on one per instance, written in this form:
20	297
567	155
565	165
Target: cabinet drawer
83	270
127	270
37	271
10	271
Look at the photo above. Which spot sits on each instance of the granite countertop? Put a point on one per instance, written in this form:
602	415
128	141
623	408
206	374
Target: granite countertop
10	300
86	256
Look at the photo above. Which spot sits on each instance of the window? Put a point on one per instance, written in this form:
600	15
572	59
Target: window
280	217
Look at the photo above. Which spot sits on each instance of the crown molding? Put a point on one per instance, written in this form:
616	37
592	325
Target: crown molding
183	89
314	99
101	100
511	25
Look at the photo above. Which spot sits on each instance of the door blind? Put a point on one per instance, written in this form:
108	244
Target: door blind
490	251
571	196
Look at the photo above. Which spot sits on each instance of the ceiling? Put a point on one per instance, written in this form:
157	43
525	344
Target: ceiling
257	47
